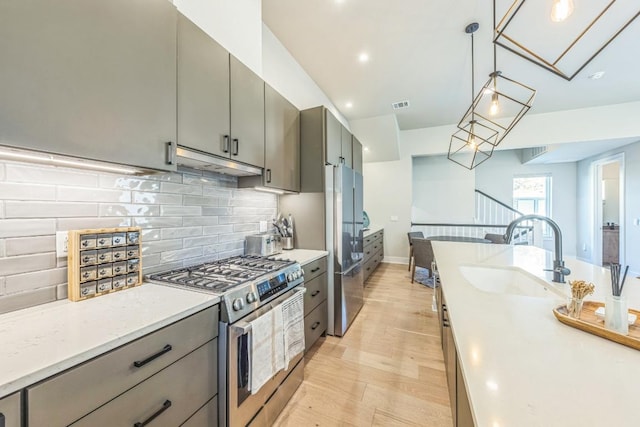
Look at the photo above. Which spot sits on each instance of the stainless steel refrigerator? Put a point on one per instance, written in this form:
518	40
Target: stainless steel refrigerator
344	223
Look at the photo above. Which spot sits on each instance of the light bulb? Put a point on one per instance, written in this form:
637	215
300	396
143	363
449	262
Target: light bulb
471	142
561	10
495	105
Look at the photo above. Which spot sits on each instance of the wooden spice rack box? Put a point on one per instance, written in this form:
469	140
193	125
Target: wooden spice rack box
103	260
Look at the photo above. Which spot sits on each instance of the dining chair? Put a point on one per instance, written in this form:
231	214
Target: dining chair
495	238
411	235
422	255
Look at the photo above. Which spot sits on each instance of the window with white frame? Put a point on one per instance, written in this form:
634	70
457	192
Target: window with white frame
532	195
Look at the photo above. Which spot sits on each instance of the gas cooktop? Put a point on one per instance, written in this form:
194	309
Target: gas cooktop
222	275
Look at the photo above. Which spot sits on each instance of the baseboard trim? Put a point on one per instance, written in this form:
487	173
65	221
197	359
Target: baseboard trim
396	260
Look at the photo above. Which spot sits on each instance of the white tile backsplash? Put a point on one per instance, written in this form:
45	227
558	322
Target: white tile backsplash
53	175
78	194
30	245
20	209
27	227
20	191
187	218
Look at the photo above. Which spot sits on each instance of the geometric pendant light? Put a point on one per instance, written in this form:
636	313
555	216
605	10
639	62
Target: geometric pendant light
501	103
473	141
562	36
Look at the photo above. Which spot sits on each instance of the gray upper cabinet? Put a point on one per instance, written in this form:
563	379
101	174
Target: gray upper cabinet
347	157
357	154
92	78
203	91
10	411
333	134
247	115
282	145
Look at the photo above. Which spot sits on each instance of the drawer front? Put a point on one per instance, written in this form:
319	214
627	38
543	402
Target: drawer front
368	253
316	292
10	411
173	394
315	323
315	268
74	393
368	268
207	416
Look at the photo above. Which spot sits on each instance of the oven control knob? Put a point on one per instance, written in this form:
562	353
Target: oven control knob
290	277
238	304
302	272
251	298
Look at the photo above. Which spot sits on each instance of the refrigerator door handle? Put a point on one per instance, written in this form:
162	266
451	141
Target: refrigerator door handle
350	269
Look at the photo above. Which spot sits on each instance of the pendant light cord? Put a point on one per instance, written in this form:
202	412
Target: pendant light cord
473	81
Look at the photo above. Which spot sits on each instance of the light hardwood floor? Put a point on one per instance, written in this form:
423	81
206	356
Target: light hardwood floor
386	371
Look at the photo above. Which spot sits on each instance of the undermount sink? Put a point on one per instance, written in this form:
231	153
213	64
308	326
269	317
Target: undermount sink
508	280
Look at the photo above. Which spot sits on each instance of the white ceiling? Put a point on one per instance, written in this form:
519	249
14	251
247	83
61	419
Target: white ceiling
574	152
419	52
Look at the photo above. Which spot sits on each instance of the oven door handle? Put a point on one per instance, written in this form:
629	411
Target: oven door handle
242	327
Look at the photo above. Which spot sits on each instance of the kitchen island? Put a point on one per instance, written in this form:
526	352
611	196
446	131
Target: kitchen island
521	366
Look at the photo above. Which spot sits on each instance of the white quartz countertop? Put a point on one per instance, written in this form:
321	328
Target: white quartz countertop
301	256
521	366
41	341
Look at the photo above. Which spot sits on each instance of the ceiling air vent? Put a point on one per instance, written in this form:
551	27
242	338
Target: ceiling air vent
400	105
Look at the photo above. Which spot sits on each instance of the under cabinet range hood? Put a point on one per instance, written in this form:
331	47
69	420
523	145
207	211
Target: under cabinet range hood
198	160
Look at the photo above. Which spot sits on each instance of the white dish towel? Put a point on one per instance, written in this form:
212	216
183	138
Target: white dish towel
267	349
276	338
293	317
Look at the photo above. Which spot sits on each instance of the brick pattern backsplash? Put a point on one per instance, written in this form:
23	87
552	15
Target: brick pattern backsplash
187	217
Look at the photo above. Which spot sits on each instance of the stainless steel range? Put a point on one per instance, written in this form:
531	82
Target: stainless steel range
250	287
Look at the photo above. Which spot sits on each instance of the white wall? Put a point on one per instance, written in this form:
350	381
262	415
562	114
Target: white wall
495	177
443	192
387	193
236	25
285	75
585	199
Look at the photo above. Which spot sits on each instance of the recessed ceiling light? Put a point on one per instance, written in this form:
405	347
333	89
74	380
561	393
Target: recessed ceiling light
363	57
366	148
596	76
348	105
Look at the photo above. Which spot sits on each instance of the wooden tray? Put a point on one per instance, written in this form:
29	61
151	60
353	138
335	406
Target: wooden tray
589	322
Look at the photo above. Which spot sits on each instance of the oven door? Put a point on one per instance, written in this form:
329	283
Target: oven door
242	406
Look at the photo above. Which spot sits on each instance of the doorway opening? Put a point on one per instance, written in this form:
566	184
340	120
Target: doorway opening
609	224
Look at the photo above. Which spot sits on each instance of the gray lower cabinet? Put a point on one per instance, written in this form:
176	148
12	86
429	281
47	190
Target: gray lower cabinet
93	79
315	301
10	412
373	252
357	154
458	398
73	394
168	398
207	416
247	114
203	91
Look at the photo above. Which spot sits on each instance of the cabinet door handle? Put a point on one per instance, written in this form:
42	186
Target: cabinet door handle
315	269
315	325
166	405
316	292
268	175
445	323
171	153
140	363
225	143
236	146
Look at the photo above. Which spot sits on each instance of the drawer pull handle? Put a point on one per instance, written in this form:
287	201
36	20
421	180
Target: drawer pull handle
315	269
315	325
316	292
138	364
166	405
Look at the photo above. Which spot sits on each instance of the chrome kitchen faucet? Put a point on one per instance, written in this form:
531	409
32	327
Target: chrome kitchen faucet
559	270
